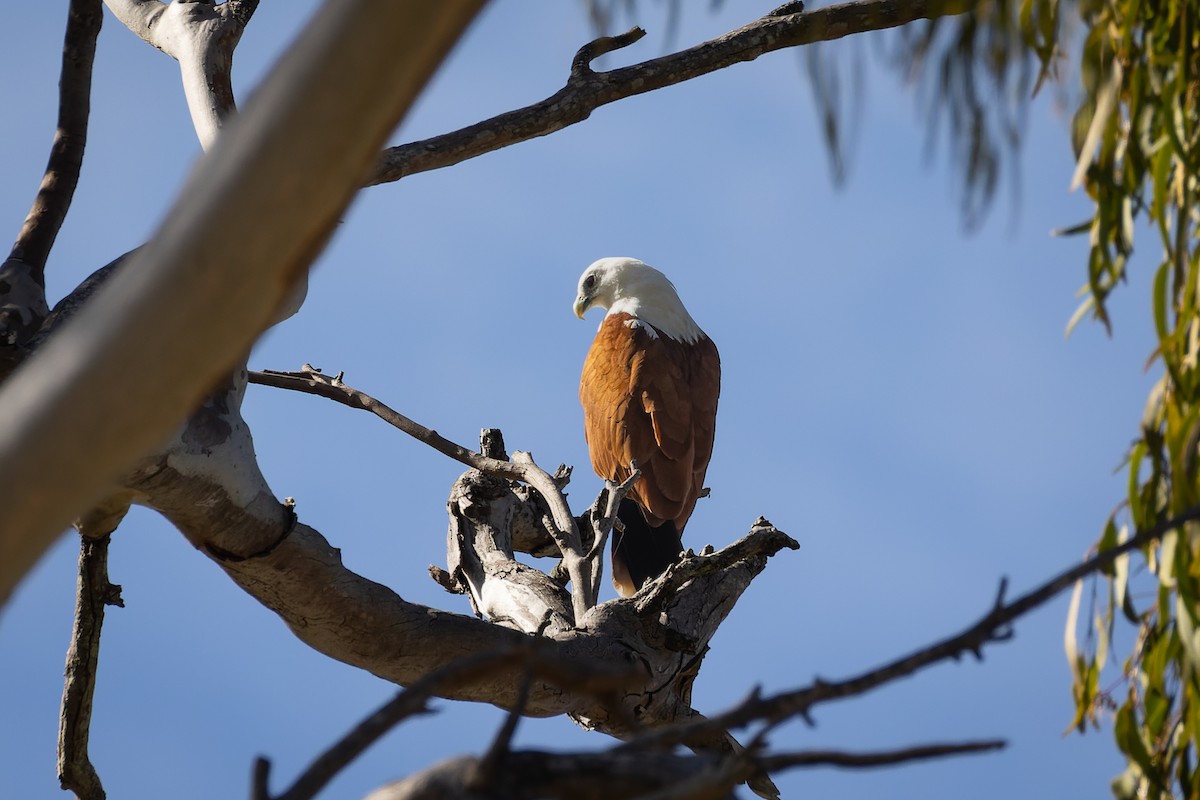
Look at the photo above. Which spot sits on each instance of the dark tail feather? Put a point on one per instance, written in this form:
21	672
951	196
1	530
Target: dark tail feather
641	553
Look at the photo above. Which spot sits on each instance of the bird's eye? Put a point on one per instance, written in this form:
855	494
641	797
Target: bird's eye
589	282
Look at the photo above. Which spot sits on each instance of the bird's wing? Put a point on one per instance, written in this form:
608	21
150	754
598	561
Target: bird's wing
649	398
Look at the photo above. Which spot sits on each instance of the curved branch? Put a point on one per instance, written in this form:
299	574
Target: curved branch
587	90
66	155
201	37
23	303
992	627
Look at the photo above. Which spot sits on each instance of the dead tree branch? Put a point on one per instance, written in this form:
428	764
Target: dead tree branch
586	90
311	380
582	564
93	593
413	701
886	758
617	773
278	181
994	626
208	484
23	303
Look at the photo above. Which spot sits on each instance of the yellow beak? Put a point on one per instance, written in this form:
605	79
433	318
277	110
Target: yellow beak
580	306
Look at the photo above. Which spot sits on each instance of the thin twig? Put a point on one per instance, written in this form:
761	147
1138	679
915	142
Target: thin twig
587	90
312	381
488	767
885	758
93	592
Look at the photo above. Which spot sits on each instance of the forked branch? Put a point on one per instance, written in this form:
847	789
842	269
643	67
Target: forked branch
201	36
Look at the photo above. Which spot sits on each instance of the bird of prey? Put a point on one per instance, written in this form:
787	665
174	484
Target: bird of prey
649	393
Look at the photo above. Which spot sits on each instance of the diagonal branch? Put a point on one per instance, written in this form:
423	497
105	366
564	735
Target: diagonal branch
885	758
310	380
622	773
412	701
23	274
992	627
66	154
587	90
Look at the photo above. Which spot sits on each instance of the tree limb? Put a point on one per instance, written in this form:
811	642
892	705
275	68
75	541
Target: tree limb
278	182
587	90
886	758
201	36
412	701
311	380
581	563
23	303
93	593
620	773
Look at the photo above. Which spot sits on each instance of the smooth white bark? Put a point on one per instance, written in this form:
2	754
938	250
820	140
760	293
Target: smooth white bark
122	374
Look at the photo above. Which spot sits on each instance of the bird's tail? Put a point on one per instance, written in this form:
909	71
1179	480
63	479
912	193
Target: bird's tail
641	552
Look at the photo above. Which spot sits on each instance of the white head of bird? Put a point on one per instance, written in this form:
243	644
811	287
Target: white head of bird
628	286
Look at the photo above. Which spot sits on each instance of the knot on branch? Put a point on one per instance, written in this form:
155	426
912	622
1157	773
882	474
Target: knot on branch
23	308
787	9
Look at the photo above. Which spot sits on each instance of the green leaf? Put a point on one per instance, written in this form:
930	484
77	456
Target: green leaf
1129	739
1160	300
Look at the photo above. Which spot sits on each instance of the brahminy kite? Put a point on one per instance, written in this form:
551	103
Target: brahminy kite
649	393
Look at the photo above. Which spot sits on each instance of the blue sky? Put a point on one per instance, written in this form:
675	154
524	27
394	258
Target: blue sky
898	395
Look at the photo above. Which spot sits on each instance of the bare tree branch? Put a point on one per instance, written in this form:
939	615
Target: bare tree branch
23	303
93	593
581	563
587	90
413	701
278	182
37	235
566	776
645	774
886	758
992	627
209	485
311	380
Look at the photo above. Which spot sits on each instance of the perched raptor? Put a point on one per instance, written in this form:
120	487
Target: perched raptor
649	393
